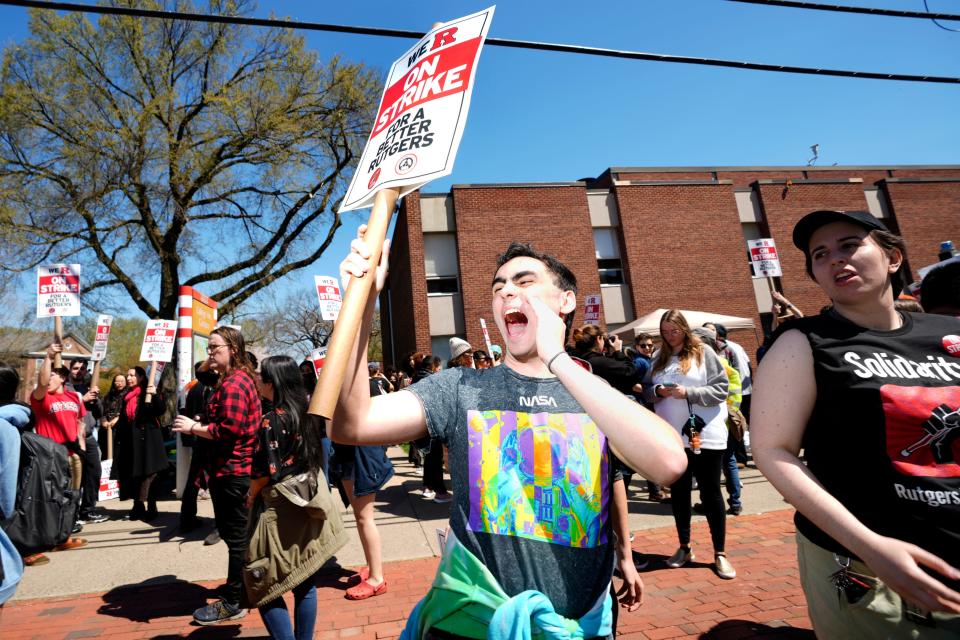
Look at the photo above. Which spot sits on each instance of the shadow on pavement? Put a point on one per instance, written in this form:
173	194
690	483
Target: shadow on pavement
219	632
333	576
158	597
730	629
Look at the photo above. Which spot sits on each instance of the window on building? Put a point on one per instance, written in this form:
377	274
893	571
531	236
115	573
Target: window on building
611	270
609	264
442	285
440	263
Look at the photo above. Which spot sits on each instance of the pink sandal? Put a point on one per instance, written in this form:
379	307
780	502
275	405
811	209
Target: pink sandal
366	590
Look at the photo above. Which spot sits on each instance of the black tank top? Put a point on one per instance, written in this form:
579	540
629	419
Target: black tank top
884	436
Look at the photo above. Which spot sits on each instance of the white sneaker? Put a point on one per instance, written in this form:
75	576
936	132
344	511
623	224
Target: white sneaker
428	494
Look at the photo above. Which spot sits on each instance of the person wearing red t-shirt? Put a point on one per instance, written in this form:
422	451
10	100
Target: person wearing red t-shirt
58	415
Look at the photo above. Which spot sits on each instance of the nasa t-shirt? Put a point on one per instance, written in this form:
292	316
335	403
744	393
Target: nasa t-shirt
531	481
884	436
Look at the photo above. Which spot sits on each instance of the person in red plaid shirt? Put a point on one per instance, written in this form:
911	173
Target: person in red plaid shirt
231	421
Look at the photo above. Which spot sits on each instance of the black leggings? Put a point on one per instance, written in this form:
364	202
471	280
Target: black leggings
433	468
229	494
706	468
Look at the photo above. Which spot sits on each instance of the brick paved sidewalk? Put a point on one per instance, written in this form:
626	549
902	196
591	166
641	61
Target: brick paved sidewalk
765	601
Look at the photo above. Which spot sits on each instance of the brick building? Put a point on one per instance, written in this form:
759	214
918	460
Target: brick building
643	238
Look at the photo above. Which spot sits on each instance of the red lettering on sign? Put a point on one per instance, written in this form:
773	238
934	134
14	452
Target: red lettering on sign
441	74
444	37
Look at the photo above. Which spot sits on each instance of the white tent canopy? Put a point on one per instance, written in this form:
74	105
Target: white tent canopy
650	323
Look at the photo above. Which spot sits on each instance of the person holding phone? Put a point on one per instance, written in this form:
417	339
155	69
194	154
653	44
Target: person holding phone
688	378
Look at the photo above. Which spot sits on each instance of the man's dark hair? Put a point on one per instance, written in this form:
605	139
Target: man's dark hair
63	372
719	328
563	277
9	381
642	337
940	289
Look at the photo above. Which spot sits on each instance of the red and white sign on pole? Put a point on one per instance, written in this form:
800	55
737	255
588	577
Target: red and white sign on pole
766	263
486	337
328	292
58	290
422	112
158	341
109	489
317	357
591	311
104	323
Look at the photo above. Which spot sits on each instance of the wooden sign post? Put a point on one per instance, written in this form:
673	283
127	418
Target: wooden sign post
324	398
57	339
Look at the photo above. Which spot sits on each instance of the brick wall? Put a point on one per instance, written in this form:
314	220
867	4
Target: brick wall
783	207
554	219
927	213
684	249
682	244
407	286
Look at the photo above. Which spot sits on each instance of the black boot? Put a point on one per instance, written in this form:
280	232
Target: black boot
152	512
137	512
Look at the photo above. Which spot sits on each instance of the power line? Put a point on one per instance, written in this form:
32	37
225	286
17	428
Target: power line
497	42
848	9
925	6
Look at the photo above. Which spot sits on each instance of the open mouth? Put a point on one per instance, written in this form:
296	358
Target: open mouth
843	278
515	322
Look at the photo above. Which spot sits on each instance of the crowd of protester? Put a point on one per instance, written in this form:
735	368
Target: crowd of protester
267	464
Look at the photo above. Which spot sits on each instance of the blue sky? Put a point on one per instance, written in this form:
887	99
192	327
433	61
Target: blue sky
540	116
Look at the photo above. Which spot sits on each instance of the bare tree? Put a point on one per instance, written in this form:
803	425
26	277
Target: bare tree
161	153
294	325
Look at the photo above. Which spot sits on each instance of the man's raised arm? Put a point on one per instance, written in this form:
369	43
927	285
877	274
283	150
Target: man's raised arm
358	418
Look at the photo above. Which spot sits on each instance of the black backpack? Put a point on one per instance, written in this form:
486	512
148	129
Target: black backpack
45	506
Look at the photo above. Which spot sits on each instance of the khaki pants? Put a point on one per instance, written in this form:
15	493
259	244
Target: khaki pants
878	615
76	471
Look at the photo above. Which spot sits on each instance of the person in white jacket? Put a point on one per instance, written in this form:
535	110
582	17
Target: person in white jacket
686	379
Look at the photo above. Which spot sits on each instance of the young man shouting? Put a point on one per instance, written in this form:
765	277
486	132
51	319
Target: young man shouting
530	537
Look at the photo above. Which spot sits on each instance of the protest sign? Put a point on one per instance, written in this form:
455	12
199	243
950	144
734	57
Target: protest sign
422	112
58	290
158	341
104	322
100	347
318	357
763	254
591	311
109	489
328	292
414	140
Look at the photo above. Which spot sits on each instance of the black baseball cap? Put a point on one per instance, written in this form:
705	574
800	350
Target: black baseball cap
809	223
813	221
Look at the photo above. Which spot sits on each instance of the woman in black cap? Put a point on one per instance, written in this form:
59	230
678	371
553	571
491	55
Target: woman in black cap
871	394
